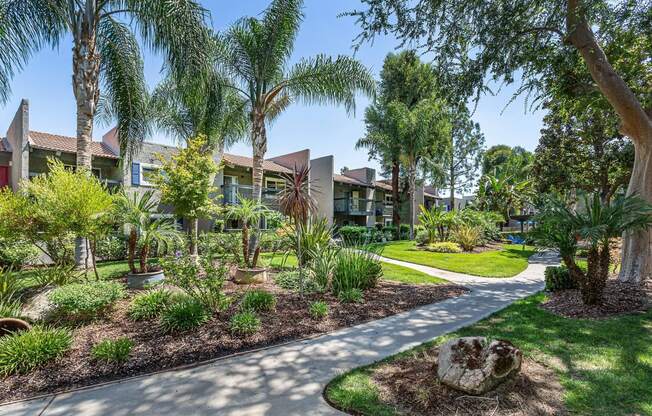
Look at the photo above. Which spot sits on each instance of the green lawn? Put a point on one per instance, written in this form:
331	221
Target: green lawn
504	263
107	271
605	366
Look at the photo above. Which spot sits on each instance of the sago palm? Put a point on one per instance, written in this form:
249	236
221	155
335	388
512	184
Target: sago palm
255	54
104	49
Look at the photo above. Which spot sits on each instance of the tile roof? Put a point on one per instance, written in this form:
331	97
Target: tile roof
349	180
248	162
383	185
57	143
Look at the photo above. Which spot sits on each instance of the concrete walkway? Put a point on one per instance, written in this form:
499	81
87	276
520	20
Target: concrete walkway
289	379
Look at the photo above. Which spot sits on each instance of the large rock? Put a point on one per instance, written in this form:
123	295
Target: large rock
39	308
474	365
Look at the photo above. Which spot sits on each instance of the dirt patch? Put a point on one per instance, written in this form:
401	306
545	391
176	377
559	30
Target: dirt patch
154	350
410	385
618	298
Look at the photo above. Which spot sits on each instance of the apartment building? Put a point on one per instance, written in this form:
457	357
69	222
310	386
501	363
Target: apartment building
354	197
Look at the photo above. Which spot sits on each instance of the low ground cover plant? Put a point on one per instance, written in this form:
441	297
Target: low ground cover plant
10	308
150	304
318	309
113	351
183	313
352	295
444	247
291	280
558	278
56	275
355	269
85	300
24	351
244	323
258	301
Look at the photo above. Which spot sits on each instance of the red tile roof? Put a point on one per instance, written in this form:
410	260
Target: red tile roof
57	143
349	180
248	162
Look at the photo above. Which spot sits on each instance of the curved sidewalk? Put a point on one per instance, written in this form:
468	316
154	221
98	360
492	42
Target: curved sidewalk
289	379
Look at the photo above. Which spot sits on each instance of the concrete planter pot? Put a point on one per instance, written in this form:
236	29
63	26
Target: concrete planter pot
245	276
140	280
10	325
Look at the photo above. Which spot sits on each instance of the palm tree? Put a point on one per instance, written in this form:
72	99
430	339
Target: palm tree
104	48
249	212
503	194
255	54
137	210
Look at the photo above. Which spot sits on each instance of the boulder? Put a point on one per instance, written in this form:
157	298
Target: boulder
39	308
476	365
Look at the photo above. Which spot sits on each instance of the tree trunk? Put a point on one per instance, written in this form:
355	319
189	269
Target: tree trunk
144	253
259	144
194	225
396	200
133	244
412	178
636	264
636	123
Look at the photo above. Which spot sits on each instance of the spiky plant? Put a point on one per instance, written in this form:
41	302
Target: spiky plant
249	212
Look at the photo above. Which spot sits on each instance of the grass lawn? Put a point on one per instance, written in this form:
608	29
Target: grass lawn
605	366
504	263
390	271
107	271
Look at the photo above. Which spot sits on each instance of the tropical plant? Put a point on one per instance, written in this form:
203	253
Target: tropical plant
437	222
258	301
55	275
317	233
467	236
503	195
322	266
318	309
24	351
183	313
249	212
138	211
150	304
356	269
113	351
185	181
244	323
255	54
82	301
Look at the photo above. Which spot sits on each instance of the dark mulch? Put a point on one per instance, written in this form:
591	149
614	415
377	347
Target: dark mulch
618	298
410	384
155	351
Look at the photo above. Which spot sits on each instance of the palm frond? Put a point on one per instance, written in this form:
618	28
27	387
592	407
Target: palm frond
280	23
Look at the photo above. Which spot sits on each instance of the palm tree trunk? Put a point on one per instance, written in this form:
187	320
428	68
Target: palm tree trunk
396	202
259	143
85	81
144	254
412	178
133	243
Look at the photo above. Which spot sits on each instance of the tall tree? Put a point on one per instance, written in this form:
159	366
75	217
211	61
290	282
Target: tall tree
504	161
501	37
404	78
255	53
104	49
464	155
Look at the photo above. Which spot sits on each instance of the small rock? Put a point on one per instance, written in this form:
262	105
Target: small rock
475	366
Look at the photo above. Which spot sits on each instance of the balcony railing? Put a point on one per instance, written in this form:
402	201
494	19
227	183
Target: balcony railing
384	209
354	206
231	193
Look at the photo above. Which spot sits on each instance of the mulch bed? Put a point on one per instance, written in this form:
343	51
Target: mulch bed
618	299
410	385
154	350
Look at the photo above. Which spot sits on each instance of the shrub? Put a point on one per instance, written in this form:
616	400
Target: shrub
203	281
17	253
467	236
85	300
314	235
444	247
258	301
244	323
112	247
184	313
422	238
405	231
57	275
323	265
8	284
355	270
10	308
24	351
149	305
290	280
113	351
350	296
354	234
558	278
318	309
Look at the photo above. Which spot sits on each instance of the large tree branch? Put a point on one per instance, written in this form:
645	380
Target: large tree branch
634	119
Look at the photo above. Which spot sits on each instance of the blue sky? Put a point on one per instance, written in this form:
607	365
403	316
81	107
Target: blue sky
46	82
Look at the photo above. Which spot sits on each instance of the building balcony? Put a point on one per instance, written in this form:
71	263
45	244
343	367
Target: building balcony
384	209
232	193
354	206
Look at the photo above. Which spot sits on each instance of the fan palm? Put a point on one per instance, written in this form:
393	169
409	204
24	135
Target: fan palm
137	211
255	54
104	48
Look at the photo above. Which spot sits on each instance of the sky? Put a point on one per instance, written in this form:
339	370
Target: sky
46	83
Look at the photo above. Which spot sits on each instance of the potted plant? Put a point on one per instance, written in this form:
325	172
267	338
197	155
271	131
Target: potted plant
138	213
248	212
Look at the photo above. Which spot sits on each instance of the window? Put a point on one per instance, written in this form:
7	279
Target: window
96	171
273	183
147	173
388	199
388	222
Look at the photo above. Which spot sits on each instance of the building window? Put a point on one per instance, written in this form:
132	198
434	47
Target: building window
97	172
273	183
147	174
388	199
